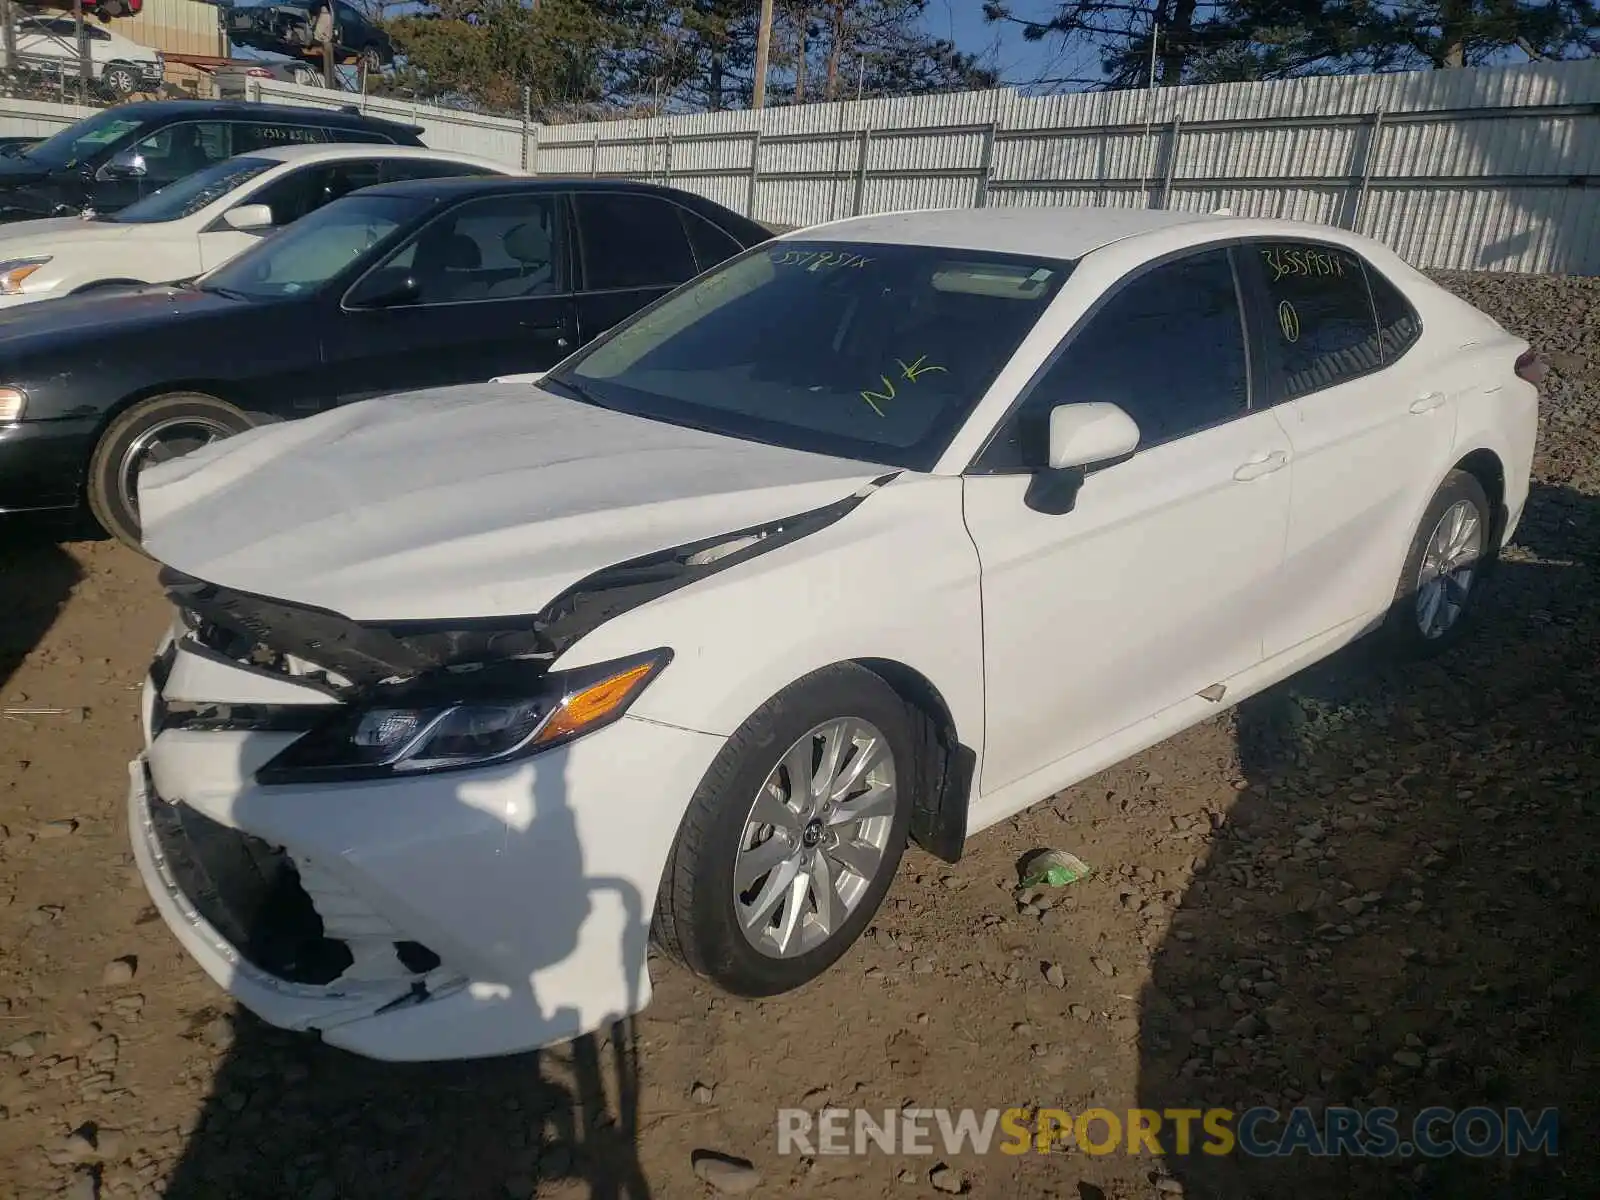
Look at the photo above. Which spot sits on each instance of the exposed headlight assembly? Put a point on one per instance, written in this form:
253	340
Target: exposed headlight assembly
12	403
14	271
464	717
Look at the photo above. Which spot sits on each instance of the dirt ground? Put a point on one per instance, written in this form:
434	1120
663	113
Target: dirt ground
1372	886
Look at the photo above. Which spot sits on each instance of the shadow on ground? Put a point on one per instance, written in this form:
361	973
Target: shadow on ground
1400	910
288	1116
36	578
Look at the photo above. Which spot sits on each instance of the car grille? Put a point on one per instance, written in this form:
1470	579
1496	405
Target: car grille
286	917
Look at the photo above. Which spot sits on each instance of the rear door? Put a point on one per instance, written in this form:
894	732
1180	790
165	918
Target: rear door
1365	417
493	297
632	248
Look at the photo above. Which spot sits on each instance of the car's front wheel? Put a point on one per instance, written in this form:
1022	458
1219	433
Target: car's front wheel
794	835
150	432
120	81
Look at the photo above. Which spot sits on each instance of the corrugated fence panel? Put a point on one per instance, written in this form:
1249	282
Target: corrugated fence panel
1398	156
39	118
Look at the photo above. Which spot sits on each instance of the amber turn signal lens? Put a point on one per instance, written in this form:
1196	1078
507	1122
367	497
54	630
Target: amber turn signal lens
595	703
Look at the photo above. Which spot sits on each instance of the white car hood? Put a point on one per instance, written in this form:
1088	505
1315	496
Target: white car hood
477	501
54	233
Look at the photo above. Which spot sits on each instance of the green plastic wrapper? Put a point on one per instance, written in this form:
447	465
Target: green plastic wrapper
1055	868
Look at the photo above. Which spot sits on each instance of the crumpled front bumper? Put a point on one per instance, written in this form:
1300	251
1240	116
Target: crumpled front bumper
482	912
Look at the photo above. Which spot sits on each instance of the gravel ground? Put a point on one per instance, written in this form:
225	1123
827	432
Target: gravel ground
1367	887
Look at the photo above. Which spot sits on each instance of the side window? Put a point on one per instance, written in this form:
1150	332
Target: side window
397	169
260	135
1398	324
1319	318
364	136
711	245
1168	348
179	150
96	35
631	242
496	248
308	189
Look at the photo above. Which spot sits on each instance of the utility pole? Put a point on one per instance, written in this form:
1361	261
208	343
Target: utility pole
85	72
763	47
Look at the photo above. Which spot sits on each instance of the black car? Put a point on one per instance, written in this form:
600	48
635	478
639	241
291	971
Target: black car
392	288
120	155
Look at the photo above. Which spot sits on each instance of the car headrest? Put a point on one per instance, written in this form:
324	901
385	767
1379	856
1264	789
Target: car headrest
527	243
460	253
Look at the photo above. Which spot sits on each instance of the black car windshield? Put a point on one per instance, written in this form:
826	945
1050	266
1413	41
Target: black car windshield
866	351
307	254
76	143
190	194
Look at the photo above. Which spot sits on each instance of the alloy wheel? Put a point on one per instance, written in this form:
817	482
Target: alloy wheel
815	837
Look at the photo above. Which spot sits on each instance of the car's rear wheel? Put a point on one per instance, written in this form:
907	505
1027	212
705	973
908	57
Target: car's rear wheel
152	431
794	836
1439	585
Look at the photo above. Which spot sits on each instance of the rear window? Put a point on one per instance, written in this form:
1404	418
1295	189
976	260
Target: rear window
874	352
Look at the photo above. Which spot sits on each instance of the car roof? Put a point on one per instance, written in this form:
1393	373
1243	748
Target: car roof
1061	231
454	188
334	118
325	151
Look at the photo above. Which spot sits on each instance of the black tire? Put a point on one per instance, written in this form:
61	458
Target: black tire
1403	628
696	921
110	470
120	81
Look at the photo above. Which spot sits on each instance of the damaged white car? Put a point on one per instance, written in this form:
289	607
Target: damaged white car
882	531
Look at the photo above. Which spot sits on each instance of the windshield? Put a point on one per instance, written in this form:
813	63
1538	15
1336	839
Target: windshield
314	249
78	142
190	194
873	352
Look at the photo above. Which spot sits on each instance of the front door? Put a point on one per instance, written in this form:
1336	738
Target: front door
1155	585
492	297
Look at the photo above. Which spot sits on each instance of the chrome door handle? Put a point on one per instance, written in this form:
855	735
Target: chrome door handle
1426	403
1257	467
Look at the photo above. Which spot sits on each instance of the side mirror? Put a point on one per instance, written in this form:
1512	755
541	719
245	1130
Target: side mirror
386	289
249	218
1081	436
124	164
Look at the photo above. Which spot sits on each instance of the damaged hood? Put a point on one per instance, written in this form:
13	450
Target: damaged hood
486	500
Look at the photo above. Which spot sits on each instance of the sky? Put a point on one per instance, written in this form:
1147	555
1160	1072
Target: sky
1001	44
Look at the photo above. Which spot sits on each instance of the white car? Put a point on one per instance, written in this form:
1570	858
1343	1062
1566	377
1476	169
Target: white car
49	44
204	219
887	528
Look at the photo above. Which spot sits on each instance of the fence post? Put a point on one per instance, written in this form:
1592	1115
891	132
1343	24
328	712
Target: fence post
594	156
533	155
861	169
527	108
985	166
666	162
755	176
1374	130
1174	132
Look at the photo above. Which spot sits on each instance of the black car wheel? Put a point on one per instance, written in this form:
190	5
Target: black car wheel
152	431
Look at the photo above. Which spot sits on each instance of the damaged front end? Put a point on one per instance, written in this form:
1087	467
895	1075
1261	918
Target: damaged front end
256	701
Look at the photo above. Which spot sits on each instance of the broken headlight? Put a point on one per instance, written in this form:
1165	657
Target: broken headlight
464	717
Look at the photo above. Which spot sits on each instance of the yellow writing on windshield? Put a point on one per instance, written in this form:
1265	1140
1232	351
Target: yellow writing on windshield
908	371
1307	262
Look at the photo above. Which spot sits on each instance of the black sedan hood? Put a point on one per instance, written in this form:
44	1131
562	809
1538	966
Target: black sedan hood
101	314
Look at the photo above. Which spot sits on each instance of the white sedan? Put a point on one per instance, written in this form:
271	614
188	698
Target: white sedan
205	219
885	529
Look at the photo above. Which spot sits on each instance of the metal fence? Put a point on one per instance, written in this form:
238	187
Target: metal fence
1486	168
